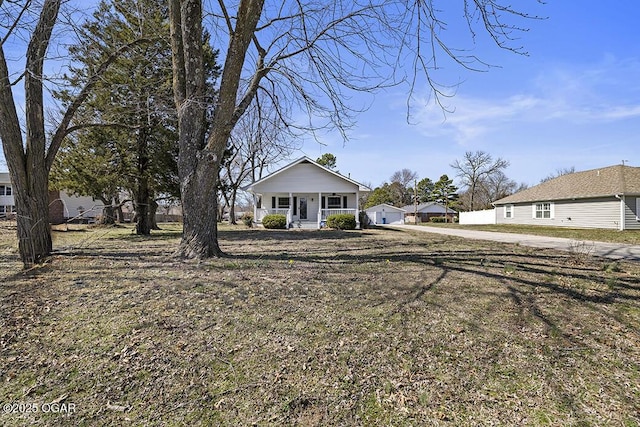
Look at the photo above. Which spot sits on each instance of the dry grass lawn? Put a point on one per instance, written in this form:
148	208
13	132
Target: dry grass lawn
373	327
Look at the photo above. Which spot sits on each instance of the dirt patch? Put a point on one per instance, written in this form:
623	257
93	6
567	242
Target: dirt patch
373	327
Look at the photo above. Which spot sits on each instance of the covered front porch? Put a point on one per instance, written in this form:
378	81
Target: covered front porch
306	210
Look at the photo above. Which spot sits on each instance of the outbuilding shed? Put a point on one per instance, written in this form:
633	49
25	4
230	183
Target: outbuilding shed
385	214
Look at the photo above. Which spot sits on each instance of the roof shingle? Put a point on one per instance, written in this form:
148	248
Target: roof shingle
608	181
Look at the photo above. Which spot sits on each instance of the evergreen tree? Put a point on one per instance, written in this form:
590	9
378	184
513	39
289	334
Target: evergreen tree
445	193
425	188
327	160
131	142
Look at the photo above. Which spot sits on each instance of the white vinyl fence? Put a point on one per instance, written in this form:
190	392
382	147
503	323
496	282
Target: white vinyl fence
487	216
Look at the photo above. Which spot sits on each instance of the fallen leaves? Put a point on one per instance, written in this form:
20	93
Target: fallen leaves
383	328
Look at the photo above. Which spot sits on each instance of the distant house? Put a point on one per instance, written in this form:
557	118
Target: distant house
62	206
7	202
307	193
599	198
426	211
384	214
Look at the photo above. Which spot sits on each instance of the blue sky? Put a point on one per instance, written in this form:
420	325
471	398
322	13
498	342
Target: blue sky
573	102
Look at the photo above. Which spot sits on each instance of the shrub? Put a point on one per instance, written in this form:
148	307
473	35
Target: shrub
438	219
247	219
342	221
275	221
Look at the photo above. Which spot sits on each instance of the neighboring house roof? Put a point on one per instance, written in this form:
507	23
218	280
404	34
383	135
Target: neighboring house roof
384	206
426	208
609	181
361	187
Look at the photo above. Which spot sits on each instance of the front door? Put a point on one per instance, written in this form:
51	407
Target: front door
303	208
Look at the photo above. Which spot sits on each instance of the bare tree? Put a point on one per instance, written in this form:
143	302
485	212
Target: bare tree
30	153
557	173
301	55
257	141
402	183
405	177
493	187
476	170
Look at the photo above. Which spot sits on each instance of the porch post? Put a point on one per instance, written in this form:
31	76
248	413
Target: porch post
357	210
255	208
319	209
289	216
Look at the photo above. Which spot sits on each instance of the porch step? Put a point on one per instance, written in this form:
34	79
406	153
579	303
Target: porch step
304	225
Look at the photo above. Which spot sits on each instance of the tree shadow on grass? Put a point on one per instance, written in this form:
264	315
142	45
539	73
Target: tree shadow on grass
285	235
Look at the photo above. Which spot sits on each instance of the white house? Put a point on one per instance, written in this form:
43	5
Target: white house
62	206
7	203
385	214
307	193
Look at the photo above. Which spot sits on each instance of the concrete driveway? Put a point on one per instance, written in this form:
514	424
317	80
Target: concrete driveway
616	251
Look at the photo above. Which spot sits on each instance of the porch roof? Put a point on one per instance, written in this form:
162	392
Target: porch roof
324	180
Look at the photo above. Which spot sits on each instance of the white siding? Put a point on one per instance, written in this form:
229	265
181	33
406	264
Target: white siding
391	217
7	201
391	214
592	213
305	178
6	181
80	206
313	202
632	213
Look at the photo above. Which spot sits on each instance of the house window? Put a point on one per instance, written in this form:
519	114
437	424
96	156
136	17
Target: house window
5	190
283	202
543	210
508	211
334	202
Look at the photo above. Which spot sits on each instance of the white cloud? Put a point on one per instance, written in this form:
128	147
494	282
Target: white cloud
557	96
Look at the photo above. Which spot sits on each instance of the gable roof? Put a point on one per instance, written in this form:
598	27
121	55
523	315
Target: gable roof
305	159
385	206
421	206
609	181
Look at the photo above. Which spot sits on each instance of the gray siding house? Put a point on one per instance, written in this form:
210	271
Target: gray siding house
600	198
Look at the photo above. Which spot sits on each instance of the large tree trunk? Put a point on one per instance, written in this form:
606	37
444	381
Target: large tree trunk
30	159
199	205
26	158
232	207
34	231
118	208
108	213
199	163
141	202
197	167
153	211
143	194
